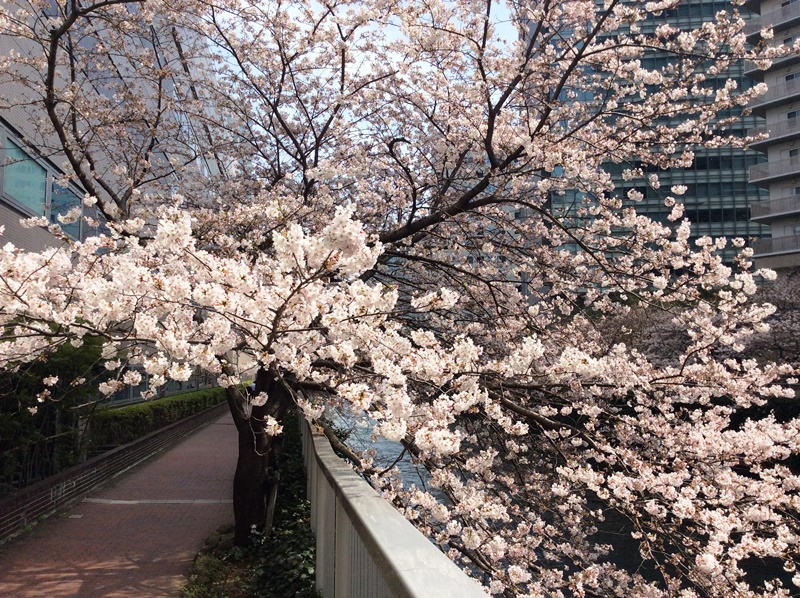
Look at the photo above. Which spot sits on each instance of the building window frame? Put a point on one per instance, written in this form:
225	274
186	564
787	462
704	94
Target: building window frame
52	174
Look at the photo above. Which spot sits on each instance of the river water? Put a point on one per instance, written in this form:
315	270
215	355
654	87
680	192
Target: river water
387	453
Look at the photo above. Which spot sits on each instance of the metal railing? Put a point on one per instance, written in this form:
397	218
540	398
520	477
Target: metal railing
788	244
761	174
781	17
365	548
774	208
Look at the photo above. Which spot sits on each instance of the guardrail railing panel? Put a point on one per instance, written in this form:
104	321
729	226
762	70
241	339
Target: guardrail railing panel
326	538
365	548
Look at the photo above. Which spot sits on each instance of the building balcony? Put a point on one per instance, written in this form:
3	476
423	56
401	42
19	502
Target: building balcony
779	93
784	130
764	174
777	20
774	209
776	245
787	60
756	73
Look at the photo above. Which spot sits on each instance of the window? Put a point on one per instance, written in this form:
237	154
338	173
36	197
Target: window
29	186
61	202
793	153
792	114
24	180
792	77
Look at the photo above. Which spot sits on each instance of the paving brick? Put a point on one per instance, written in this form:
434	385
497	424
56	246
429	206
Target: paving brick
135	537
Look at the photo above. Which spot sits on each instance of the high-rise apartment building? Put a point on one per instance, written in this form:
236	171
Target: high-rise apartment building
718	197
780	106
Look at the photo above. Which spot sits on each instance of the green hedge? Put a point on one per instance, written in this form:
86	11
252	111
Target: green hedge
115	427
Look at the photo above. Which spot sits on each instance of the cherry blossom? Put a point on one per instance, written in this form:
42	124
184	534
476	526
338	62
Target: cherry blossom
352	204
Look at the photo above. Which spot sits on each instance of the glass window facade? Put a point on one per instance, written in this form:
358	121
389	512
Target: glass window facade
25	180
718	197
62	201
28	185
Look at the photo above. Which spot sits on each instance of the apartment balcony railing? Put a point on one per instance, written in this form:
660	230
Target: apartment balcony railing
778	131
778	94
784	17
786	60
789	244
365	548
764	211
752	70
764	174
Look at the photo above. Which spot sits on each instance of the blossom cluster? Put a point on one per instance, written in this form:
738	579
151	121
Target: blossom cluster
365	211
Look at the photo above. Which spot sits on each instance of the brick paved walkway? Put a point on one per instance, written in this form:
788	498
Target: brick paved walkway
135	537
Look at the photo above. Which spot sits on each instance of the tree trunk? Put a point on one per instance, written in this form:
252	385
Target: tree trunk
256	478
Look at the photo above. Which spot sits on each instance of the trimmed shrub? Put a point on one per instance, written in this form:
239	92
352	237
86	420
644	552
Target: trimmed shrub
113	427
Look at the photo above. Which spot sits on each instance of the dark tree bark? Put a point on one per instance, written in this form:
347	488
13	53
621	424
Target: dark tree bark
255	482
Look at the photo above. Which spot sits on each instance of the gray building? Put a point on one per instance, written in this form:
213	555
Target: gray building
780	107
141	80
35	178
31	184
718	197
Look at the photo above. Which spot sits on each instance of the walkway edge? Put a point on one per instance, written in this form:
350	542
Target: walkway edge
35	503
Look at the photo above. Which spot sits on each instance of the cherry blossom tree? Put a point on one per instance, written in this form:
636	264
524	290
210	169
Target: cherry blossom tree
780	342
382	237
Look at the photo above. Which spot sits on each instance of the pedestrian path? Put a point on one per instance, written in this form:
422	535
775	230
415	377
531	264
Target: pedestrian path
137	536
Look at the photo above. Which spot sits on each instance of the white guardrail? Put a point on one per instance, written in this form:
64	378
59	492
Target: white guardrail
365	548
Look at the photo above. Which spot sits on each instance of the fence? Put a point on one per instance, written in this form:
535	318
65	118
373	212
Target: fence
29	505
786	244
365	548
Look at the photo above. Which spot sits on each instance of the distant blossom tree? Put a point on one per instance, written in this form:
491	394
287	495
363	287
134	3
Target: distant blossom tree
381	237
